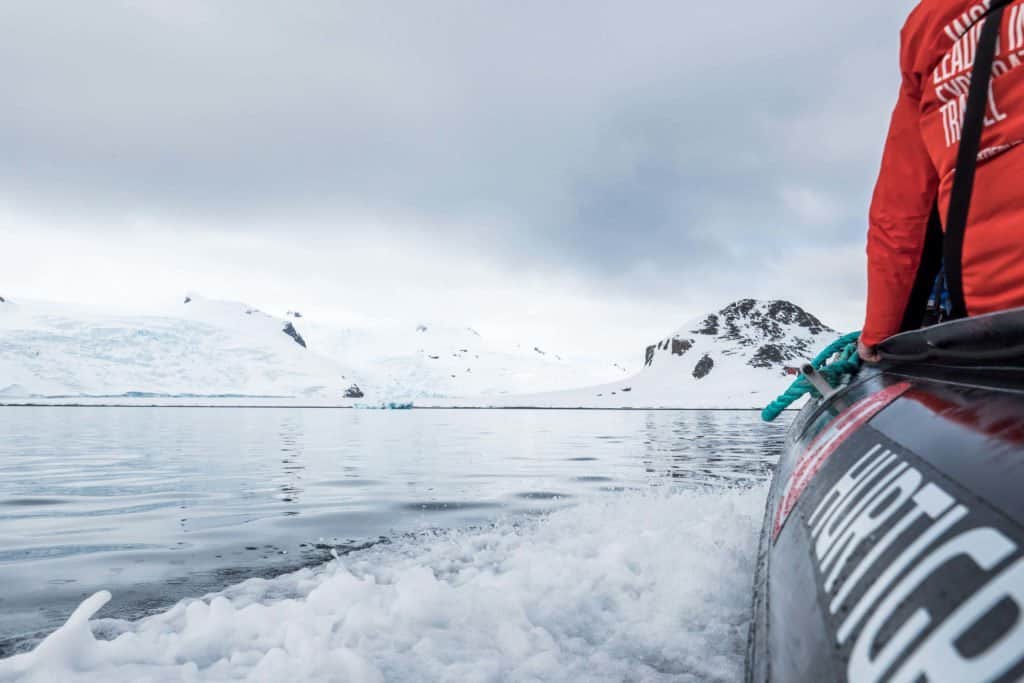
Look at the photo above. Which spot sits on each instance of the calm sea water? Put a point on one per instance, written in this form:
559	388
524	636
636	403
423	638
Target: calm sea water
158	504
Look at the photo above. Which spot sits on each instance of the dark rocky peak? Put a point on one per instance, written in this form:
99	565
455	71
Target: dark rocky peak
749	321
292	314
188	299
739	309
772	334
354	392
741	317
776	310
3	300
290	330
708	326
421	328
791	314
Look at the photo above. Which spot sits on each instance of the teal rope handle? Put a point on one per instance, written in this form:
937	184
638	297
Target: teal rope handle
846	362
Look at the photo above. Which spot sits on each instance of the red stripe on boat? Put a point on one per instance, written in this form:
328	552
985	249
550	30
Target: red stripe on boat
826	443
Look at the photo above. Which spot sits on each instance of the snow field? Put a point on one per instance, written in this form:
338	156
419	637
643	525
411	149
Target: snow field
650	586
221	349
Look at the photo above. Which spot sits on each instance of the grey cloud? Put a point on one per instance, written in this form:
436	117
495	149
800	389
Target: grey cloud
593	135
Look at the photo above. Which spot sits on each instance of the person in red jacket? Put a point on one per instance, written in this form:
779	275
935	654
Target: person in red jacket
938	44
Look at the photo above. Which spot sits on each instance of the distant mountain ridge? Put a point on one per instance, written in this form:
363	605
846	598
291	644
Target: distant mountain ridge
202	347
736	357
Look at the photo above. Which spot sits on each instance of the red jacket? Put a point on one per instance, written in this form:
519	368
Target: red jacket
937	54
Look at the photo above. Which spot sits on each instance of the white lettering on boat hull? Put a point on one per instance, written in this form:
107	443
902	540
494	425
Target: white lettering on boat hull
878	501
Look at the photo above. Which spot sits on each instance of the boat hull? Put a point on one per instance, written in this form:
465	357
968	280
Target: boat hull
893	543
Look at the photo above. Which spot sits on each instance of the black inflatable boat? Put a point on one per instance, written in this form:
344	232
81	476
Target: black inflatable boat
893	543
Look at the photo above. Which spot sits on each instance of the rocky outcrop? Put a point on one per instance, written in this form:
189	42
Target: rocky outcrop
770	335
708	326
791	314
775	355
354	392
772	320
681	346
768	355
678	346
704	367
290	330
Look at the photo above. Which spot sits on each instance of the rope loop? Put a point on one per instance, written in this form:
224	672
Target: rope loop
835	363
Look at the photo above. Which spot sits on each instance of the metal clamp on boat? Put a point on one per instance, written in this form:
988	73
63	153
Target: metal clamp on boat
817	381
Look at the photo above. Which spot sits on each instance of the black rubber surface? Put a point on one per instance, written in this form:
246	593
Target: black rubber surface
916	571
979	340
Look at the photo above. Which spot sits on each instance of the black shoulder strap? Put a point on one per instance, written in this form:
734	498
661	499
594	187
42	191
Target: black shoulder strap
967	157
928	269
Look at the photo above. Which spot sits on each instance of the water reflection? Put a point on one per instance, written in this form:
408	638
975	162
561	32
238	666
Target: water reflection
291	462
712	448
159	504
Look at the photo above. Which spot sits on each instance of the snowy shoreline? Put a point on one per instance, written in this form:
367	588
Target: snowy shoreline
306	405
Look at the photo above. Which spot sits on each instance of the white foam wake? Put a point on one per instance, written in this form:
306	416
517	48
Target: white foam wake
638	587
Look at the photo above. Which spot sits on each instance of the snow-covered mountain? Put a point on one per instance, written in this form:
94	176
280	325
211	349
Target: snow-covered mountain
739	357
428	361
734	358
200	347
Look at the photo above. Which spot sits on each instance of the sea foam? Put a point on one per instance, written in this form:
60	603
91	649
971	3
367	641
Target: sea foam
635	586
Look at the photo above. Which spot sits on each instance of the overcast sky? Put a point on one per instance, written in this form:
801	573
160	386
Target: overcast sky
577	173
